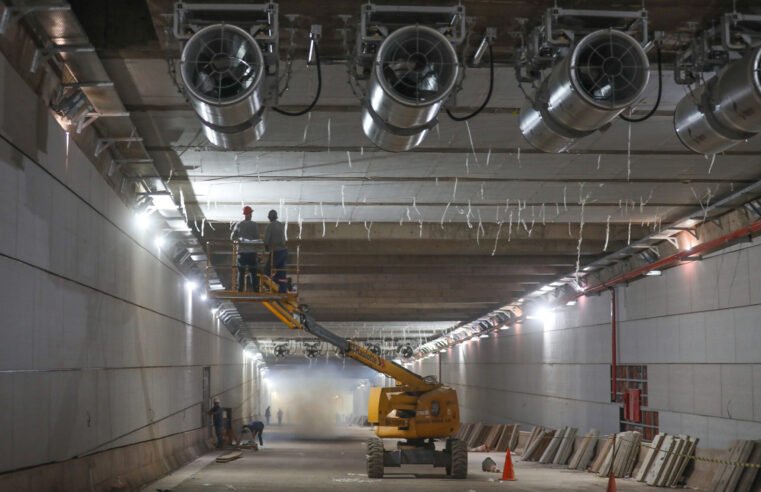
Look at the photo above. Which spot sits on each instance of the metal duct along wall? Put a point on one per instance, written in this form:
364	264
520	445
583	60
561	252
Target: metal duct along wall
725	111
222	69
606	72
415	71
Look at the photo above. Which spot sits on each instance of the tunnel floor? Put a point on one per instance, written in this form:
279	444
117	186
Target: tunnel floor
289	461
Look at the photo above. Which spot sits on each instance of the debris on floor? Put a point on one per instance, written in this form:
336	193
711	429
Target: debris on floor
225	458
489	465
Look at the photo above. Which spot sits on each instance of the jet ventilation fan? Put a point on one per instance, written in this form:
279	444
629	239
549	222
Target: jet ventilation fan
606	72
282	350
222	69
725	111
414	72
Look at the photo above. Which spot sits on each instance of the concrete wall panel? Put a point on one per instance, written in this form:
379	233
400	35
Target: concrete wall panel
99	342
697	328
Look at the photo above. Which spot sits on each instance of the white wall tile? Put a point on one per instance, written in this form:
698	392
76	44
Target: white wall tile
17	308
10	169
701	276
733	279
668	339
720	336
658	386
721	433
692	338
694	425
678	297
748	334
707	389
757	392
6	422
670	422
31	405
754	267
736	391
680	388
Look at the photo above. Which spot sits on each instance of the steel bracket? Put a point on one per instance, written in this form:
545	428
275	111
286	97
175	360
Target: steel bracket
91	117
42	55
14	13
105	143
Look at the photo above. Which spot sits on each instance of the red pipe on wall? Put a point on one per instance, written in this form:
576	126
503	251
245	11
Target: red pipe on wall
676	257
613	330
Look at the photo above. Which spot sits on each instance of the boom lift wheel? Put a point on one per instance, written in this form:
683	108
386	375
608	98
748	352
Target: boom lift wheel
458	450
375	458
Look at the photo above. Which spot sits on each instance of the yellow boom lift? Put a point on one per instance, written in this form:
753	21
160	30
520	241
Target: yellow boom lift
418	410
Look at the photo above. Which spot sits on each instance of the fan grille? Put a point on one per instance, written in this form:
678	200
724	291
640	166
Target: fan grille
418	64
610	68
221	63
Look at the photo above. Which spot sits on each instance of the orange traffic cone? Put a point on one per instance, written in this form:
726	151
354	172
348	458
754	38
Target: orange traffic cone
611	483
507	472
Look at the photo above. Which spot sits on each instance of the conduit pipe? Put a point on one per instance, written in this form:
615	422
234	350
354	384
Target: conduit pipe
614	357
674	259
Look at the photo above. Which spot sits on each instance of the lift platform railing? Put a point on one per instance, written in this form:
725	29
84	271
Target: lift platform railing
264	283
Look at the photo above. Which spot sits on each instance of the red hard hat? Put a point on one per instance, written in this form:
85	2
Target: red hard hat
247	210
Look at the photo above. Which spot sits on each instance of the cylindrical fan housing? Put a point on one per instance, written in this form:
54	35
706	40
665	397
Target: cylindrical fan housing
606	72
222	69
725	111
415	71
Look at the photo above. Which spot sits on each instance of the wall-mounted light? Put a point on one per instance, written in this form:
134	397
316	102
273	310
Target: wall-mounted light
191	285
545	315
654	273
570	303
142	220
159	242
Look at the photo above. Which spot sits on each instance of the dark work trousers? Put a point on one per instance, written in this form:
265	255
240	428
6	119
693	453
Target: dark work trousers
247	265
280	260
220	436
256	431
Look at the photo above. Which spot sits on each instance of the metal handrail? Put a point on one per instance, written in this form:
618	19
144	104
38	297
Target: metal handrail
263	276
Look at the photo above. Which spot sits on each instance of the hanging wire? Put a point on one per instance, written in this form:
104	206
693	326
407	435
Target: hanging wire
316	96
488	94
660	90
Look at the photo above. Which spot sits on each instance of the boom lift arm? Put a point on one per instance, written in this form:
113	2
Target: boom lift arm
418	410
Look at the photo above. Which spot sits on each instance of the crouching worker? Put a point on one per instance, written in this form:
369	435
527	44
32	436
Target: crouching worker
256	428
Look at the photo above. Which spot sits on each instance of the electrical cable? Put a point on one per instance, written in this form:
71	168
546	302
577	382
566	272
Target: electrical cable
488	95
660	90
316	96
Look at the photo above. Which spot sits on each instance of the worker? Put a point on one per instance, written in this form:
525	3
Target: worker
280	416
246	232
217	414
274	243
267	415
256	428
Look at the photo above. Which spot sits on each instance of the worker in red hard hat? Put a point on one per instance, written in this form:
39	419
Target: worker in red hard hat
246	232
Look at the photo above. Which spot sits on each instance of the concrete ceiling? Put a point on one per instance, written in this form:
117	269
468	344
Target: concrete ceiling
392	244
